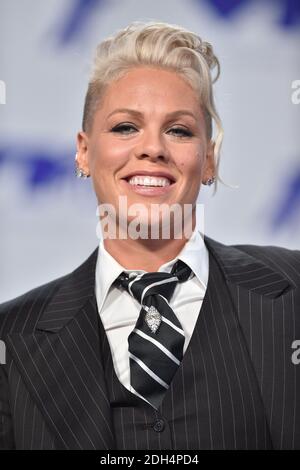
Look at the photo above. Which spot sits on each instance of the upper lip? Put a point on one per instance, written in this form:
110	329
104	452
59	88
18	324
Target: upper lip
162	174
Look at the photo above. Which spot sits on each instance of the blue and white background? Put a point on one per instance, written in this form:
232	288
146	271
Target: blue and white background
48	217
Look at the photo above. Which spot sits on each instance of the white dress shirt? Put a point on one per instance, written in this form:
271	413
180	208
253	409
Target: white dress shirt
119	311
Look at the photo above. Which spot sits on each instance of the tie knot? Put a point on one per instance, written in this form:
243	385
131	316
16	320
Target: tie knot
154	283
182	271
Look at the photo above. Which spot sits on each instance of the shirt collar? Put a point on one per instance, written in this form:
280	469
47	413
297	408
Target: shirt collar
194	254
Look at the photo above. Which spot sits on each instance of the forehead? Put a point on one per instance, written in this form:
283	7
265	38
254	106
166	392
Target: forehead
152	88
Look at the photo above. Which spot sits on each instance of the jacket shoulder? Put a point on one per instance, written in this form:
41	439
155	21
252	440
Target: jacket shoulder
15	312
25	310
280	259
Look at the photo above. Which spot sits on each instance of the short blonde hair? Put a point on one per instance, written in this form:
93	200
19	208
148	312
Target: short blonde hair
161	45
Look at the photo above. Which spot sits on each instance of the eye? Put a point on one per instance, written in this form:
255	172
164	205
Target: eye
181	132
123	128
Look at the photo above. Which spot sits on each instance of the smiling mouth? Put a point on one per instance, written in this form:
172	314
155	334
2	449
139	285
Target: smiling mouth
149	181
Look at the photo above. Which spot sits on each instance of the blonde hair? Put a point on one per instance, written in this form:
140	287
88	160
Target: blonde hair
161	45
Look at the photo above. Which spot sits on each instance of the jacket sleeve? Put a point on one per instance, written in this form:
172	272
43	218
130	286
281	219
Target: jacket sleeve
6	426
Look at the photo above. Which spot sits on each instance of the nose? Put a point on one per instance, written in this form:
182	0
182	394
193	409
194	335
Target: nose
152	146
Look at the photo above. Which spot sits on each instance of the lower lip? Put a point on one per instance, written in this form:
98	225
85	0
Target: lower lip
149	190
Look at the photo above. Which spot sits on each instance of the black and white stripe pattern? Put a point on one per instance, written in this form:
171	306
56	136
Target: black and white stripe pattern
155	356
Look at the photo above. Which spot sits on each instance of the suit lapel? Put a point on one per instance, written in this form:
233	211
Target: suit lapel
60	362
247	272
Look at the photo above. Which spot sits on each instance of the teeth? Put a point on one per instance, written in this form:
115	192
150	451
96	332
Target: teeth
149	181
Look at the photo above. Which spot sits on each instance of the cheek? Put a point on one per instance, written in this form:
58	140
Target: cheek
106	157
192	164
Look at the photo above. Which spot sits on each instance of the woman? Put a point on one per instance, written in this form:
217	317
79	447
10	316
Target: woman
154	342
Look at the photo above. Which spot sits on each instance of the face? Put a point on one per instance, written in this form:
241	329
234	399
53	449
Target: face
148	141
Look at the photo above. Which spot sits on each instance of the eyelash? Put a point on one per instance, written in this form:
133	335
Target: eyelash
121	127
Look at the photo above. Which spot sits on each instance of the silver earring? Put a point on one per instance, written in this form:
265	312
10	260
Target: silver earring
210	181
78	171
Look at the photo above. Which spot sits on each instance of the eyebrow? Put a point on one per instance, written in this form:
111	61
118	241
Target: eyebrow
173	114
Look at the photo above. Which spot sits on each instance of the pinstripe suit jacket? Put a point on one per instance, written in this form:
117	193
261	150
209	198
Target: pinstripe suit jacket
53	393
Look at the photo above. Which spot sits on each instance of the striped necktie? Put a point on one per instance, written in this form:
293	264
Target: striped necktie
156	344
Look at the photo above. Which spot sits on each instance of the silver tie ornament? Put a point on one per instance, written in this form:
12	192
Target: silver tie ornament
153	319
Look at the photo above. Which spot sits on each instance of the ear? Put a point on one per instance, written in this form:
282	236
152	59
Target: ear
209	166
82	152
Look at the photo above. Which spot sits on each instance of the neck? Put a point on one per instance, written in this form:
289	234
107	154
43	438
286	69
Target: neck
145	254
